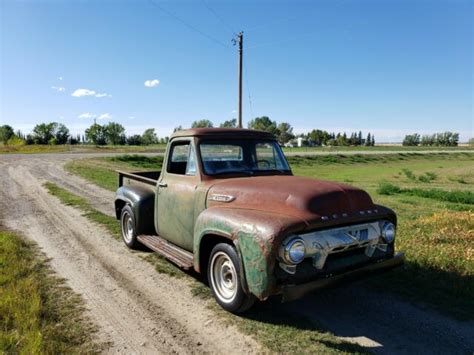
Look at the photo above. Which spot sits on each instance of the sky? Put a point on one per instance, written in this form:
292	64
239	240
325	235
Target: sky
391	67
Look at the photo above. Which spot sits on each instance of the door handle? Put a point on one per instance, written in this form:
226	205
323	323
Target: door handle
162	184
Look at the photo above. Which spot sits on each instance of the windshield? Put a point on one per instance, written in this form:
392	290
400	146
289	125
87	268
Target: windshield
242	156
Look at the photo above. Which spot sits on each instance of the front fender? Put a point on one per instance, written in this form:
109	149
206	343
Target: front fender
257	236
142	202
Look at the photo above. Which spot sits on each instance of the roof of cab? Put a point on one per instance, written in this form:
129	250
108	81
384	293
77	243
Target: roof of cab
223	132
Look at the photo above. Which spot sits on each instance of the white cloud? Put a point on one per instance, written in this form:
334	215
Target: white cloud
60	78
104	116
83	92
99	95
131	117
58	88
87	92
152	83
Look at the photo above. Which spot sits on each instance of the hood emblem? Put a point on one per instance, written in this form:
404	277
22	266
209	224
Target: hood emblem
221	198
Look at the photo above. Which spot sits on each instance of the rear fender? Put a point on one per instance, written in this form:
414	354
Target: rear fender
142	202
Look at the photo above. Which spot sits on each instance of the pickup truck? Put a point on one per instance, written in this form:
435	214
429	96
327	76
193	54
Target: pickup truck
227	205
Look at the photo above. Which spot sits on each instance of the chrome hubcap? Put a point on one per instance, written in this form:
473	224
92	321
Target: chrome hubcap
127	227
224	277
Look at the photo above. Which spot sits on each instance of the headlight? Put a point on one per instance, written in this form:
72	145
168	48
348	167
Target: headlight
388	232
294	251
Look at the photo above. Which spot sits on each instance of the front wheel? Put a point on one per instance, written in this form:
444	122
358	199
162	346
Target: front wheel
225	280
128	227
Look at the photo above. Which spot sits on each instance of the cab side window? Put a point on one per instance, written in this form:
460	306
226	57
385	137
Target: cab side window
182	160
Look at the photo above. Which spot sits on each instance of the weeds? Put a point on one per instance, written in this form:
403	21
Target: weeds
409	174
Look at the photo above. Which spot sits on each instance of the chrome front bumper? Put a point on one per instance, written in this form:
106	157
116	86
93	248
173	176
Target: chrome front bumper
292	292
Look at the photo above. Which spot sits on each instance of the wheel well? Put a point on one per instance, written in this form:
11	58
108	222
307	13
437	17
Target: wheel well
119	205
208	242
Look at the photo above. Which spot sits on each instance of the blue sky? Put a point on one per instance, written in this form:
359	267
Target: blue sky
391	67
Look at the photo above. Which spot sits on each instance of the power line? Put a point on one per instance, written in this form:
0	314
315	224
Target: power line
189	25
248	91
219	18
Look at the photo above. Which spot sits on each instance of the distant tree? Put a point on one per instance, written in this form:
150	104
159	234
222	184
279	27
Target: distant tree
115	133
149	137
96	134
447	139
73	140
136	139
229	124
176	129
428	140
317	136
471	141
61	133
202	124
411	139
264	123
19	134
372	143
6	132
368	141
284	133
359	138
43	133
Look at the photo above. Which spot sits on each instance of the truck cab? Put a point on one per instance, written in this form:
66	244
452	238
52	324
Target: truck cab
227	205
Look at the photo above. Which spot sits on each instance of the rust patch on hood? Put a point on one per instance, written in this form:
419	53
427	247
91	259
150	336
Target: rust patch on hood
305	198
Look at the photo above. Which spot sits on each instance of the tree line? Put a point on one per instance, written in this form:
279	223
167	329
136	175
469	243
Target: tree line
113	133
283	131
444	139
54	133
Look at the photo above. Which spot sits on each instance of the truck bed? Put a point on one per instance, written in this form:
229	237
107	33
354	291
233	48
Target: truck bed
147	178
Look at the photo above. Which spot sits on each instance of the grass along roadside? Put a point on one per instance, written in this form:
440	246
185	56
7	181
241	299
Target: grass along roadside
456	196
273	330
38	313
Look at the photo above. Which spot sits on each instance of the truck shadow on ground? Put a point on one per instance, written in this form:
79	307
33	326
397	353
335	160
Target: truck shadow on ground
371	314
382	314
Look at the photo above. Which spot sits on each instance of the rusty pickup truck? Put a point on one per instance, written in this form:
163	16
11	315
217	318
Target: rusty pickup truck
227	205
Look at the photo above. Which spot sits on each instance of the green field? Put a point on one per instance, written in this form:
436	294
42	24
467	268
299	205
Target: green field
38	313
434	203
160	148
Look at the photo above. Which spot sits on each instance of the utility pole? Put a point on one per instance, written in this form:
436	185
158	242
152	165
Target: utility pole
240	41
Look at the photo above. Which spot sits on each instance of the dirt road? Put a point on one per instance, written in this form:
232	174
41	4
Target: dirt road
139	310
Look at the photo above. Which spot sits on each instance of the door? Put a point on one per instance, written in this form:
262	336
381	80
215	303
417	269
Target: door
176	193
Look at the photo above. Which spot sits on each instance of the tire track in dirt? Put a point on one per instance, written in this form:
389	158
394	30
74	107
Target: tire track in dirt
136	309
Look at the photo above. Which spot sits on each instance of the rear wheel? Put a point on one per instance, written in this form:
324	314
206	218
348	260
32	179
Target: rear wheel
225	280
128	227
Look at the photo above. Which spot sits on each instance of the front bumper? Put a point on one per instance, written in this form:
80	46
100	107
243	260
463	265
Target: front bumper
293	292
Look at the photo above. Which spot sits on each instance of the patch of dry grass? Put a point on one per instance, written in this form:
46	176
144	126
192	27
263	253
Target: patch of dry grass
38	313
444	240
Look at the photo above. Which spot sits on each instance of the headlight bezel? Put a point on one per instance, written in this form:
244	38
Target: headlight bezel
291	245
388	231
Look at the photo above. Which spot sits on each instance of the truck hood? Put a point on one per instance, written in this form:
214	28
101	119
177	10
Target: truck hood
305	198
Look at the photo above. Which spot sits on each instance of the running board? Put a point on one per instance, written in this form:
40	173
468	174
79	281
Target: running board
177	255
